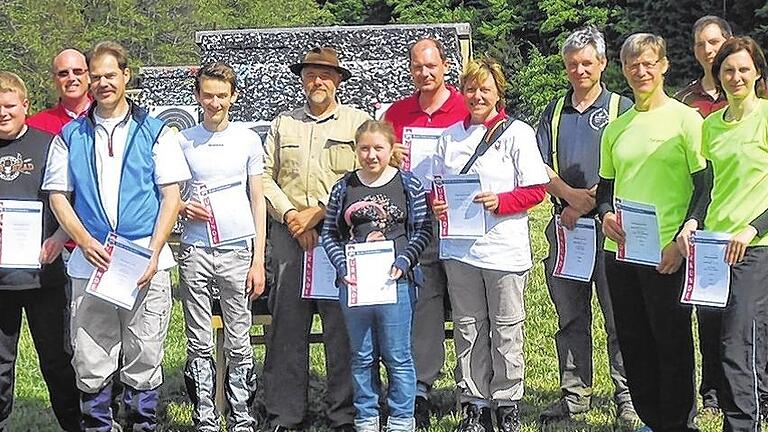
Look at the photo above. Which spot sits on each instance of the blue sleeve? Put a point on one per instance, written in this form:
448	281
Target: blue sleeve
330	236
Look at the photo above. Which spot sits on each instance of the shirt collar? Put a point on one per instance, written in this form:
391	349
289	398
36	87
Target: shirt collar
488	123
601	102
72	114
332	115
445	107
698	88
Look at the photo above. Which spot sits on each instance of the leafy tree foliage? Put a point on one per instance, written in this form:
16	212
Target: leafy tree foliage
525	35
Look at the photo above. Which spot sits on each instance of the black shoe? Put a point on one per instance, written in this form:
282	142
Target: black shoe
476	419
422	412
344	428
508	418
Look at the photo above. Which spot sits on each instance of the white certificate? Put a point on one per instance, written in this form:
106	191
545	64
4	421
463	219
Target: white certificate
21	235
422	146
707	276
369	265
465	219
128	262
231	218
319	276
575	250
642	244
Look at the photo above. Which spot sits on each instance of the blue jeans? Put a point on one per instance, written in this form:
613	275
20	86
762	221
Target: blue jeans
382	330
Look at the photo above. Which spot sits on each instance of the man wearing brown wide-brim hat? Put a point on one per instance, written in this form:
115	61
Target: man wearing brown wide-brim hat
321	56
308	150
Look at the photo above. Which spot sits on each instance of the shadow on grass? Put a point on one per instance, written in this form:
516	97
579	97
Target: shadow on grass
32	415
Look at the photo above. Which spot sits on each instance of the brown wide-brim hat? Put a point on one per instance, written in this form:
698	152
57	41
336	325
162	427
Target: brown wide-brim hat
321	57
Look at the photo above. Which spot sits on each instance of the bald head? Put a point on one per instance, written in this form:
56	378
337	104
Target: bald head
428	65
70	76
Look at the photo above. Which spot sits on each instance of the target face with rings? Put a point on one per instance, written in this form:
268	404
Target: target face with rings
177	117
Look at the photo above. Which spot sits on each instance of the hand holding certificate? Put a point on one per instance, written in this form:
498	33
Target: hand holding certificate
464	218
642	244
707	275
319	276
21	233
422	146
575	250
368	266
118	283
227	204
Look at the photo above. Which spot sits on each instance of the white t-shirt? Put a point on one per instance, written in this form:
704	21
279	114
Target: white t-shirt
235	152
512	161
169	168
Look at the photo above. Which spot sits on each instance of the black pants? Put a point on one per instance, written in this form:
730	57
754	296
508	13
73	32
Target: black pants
47	311
286	365
656	342
709	345
743	341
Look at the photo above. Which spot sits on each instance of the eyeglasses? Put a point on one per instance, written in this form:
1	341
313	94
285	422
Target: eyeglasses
65	72
634	67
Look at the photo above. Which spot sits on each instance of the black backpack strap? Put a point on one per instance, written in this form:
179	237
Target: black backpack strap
490	137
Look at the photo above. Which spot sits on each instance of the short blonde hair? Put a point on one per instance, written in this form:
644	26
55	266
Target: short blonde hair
635	44
478	71
10	82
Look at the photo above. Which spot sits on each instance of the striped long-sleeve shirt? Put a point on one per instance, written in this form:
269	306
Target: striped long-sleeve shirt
418	225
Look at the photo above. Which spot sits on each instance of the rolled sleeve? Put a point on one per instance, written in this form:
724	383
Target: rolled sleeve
57	176
170	163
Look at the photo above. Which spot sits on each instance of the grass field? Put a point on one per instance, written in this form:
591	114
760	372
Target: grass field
32	413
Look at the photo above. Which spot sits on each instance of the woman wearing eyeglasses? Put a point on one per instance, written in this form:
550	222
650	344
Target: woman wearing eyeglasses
735	142
651	155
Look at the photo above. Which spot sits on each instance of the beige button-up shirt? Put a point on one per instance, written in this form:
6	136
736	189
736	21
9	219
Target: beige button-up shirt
306	155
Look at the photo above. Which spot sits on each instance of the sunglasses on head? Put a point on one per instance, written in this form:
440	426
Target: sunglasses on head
65	72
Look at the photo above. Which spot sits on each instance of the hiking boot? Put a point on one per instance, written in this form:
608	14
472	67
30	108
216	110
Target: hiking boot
626	415
560	410
508	418
422	413
476	419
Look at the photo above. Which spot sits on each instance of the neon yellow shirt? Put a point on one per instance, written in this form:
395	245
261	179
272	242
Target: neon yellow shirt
651	155
739	154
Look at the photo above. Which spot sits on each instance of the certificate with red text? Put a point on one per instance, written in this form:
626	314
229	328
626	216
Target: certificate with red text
369	265
318	276
642	243
464	219
21	234
575	250
421	143
117	284
707	275
231	219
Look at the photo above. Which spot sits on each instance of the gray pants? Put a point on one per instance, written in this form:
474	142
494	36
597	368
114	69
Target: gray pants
198	266
488	315
573	303
101	331
428	333
286	365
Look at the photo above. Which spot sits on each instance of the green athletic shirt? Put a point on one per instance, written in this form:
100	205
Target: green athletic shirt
651	155
739	154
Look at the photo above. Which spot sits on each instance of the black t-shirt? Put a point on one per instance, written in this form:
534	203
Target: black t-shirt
22	165
369	209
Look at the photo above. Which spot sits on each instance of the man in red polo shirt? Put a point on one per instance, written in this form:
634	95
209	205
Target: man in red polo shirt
709	33
432	105
70	78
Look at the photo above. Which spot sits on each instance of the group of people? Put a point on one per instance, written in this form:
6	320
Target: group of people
329	176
